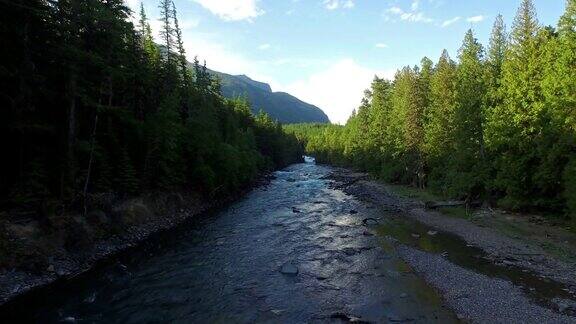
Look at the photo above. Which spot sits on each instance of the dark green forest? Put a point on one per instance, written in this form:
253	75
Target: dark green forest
90	103
496	124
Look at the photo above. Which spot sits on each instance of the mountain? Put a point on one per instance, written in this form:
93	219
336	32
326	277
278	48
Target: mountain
282	106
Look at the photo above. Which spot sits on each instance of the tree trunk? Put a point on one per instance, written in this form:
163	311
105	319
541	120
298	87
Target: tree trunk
71	136
89	171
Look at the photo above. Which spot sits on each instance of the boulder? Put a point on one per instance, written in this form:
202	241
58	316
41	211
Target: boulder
289	269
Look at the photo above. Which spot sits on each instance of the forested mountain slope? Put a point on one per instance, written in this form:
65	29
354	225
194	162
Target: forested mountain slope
279	105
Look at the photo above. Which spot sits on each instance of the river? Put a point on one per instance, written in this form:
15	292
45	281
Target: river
293	251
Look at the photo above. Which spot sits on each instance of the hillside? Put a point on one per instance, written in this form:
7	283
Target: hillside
279	105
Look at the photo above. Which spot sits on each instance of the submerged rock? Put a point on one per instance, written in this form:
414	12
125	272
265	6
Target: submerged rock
289	269
370	221
276	311
347	318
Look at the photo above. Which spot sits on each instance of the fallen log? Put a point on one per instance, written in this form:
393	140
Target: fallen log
451	204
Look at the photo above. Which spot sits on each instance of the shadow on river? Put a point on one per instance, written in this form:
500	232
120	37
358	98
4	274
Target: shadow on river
240	266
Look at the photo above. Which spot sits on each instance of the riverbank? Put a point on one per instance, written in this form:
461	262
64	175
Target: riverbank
514	264
129	223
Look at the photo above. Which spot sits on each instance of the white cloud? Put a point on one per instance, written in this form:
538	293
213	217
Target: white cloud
412	16
333	93
336	4
449	22
415	5
395	10
264	47
381	45
232	10
475	19
133	4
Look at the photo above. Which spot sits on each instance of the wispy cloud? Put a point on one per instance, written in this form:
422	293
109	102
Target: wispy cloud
414	15
475	19
337	4
264	47
449	22
381	45
232	10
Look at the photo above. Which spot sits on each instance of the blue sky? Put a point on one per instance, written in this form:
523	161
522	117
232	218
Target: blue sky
326	52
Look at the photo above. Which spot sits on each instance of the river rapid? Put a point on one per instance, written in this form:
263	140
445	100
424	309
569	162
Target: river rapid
293	251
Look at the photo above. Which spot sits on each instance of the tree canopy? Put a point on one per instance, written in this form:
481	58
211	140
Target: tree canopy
497	125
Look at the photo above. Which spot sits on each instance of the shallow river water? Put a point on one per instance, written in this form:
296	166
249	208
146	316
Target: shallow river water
238	266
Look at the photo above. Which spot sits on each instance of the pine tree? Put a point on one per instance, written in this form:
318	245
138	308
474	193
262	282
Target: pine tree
426	72
559	87
183	63
495	60
567	23
513	125
442	106
408	109
167	32
468	160
145	31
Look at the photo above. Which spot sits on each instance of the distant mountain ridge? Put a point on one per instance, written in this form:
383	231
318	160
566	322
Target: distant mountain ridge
281	106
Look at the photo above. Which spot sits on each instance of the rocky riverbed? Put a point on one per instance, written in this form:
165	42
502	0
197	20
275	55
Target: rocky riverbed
315	245
483	275
293	251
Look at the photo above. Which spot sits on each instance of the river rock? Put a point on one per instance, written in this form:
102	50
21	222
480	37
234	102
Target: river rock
396	319
432	233
370	221
90	299
289	269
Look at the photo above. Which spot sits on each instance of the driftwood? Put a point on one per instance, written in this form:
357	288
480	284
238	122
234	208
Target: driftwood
449	204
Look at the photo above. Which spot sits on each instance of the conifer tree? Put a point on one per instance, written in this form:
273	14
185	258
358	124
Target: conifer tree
146	36
167	31
559	87
494	62
183	63
468	160
440	117
514	124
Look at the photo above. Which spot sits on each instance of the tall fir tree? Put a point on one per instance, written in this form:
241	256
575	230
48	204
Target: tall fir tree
559	87
440	117
494	62
167	31
514	125
468	163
